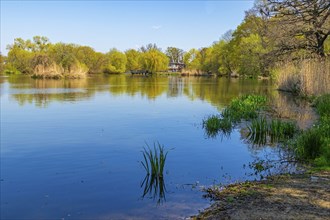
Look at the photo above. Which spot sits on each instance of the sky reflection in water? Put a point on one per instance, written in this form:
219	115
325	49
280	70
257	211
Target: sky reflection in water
72	149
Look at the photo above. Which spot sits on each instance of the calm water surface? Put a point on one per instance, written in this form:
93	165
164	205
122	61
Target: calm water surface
72	149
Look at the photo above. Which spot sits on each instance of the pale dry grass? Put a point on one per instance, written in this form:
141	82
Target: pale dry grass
304	77
54	71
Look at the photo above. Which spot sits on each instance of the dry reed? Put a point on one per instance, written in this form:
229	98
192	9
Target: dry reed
304	77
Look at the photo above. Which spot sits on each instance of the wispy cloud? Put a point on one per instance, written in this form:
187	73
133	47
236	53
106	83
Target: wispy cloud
156	27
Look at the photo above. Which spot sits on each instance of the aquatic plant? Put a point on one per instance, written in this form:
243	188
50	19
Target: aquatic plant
244	107
154	160
258	130
214	125
261	131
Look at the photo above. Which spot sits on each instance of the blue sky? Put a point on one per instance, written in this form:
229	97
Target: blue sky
121	24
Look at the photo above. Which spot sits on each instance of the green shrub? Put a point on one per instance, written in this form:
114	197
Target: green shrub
11	70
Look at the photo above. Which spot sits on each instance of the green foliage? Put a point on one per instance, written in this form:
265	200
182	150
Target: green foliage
11	70
154	61
116	62
244	107
20	60
192	59
214	124
133	60
2	64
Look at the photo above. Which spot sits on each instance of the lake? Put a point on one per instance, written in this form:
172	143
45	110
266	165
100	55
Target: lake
71	149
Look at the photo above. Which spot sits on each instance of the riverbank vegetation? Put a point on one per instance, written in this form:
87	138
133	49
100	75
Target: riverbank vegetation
311	146
288	41
241	108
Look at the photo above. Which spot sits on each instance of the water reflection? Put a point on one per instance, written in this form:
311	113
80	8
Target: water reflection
85	153
287	106
154	187
217	91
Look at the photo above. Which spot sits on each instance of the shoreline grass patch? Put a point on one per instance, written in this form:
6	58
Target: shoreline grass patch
262	131
242	108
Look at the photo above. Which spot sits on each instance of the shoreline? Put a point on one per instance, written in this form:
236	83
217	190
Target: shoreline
296	196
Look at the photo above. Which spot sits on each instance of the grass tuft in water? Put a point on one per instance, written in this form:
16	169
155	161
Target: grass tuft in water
261	131
154	159
214	124
258	130
154	162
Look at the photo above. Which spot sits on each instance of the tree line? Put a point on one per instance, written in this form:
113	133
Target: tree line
272	31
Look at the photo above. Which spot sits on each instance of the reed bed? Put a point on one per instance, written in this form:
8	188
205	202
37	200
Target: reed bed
307	77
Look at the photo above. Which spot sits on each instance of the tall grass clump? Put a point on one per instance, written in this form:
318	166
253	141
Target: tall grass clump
154	160
262	131
314	144
215	124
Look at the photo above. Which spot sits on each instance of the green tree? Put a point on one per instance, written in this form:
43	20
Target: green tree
192	59
2	63
95	61
174	54
116	62
133	59
19	61
154	61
